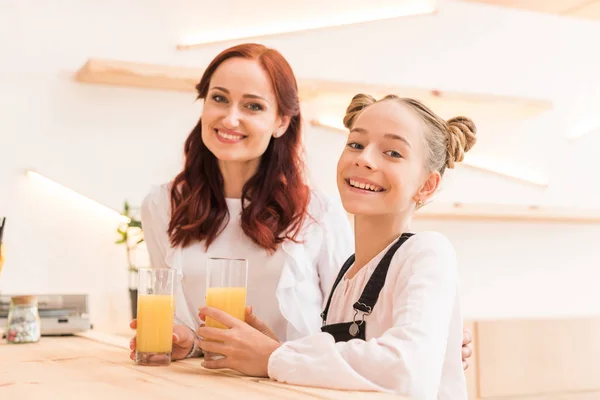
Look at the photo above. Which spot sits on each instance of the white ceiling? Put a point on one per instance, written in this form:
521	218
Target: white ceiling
236	18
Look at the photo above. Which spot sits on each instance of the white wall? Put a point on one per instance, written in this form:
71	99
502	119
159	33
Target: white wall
525	270
111	144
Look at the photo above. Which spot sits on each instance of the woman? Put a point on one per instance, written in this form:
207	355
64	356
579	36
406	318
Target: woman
392	321
242	193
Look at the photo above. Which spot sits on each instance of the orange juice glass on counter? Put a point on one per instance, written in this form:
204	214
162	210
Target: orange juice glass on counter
226	290
155	314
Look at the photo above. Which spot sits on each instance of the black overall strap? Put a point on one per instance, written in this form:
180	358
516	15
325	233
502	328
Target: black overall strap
371	292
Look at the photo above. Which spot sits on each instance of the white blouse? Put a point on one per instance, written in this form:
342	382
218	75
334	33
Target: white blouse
413	335
286	289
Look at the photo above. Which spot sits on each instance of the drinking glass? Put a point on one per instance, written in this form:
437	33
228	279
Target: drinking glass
155	314
226	285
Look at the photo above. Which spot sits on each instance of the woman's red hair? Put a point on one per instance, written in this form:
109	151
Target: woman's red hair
277	194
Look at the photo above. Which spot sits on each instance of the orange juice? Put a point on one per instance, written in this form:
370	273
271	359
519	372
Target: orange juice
232	300
2	256
155	314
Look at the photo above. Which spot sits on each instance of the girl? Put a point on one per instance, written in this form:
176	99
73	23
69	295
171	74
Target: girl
392	320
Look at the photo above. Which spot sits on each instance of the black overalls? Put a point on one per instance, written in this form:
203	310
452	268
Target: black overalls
344	331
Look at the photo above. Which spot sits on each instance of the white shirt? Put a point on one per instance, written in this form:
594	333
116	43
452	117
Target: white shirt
286	289
413	335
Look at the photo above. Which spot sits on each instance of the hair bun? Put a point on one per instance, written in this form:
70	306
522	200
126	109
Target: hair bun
461	138
358	103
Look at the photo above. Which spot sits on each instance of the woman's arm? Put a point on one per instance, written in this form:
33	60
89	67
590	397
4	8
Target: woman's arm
155	222
338	245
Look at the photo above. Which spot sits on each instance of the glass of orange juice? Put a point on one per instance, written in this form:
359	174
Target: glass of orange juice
155	314
226	283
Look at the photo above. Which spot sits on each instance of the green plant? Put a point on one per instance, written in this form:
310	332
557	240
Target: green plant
131	235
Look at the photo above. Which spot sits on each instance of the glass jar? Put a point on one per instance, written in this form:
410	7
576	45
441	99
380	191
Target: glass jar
23	324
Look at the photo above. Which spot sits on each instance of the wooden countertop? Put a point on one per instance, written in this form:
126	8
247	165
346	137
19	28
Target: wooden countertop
95	366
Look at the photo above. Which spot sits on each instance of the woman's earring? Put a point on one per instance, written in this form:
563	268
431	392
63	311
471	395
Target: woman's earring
419	203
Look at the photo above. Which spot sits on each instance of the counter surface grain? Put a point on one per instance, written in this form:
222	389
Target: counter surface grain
98	367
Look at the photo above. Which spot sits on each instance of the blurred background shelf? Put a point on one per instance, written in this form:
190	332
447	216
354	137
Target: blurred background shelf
504	212
332	96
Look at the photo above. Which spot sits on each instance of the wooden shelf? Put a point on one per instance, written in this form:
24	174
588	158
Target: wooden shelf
507	213
335	95
139	75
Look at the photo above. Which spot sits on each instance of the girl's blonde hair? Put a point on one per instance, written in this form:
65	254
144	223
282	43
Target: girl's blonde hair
447	141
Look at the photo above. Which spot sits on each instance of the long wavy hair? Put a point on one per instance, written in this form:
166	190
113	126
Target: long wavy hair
277	195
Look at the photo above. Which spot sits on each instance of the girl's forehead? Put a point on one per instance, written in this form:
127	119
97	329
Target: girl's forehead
390	116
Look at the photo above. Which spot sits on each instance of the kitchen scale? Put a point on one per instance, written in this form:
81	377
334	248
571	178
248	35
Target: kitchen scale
60	314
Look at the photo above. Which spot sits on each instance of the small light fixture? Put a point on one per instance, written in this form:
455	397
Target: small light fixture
505	170
583	132
36	176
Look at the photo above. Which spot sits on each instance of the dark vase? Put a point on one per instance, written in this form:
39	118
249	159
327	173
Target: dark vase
133	295
133	291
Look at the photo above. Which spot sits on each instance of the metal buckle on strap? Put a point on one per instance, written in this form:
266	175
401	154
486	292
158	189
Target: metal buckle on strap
362	319
363	308
364	313
355	326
